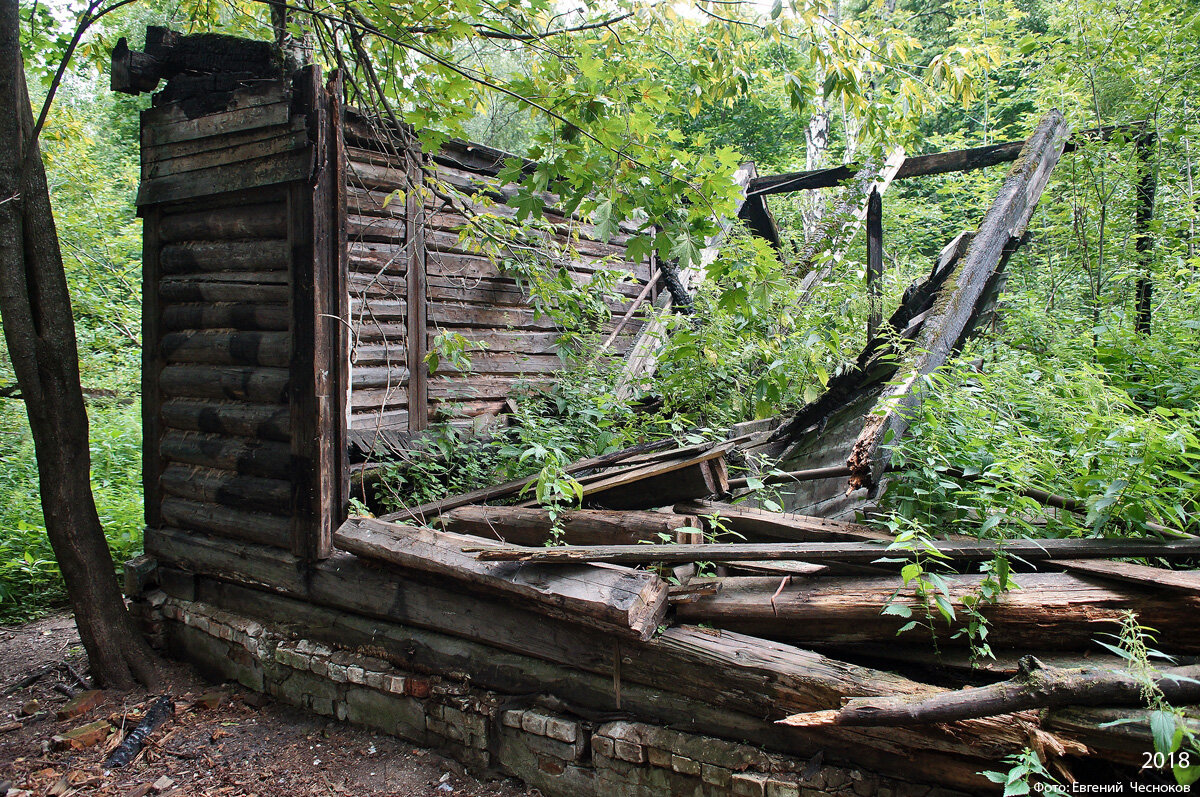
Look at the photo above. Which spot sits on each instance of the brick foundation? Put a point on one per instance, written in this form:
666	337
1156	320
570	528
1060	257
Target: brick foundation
490	732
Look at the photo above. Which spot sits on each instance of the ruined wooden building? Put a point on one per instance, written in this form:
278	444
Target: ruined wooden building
290	298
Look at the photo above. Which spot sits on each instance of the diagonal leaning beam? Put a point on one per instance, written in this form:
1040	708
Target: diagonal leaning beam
962	298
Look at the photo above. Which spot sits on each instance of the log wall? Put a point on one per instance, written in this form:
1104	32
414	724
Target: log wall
408	269
241	286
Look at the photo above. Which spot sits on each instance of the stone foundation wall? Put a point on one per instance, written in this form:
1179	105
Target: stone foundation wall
541	744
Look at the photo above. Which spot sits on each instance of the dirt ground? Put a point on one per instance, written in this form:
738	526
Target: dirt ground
222	740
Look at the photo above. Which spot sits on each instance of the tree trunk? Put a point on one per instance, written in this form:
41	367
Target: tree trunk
35	308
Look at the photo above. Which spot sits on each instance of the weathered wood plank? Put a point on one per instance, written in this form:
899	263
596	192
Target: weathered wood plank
227	488
256	527
861	552
225	255
610	598
1185	581
269	458
272	170
157	132
258	222
265	421
761	525
242	317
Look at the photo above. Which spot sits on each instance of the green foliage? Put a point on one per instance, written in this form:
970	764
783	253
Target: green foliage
1025	771
30	583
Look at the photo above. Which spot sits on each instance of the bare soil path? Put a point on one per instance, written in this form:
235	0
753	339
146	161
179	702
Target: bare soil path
223	740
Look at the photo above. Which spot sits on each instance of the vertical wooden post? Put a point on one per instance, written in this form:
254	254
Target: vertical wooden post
418	372
1144	240
152	364
340	288
874	262
315	268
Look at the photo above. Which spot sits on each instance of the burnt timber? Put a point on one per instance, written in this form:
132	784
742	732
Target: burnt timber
288	305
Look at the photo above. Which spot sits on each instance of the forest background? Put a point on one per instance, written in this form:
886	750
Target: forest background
1063	394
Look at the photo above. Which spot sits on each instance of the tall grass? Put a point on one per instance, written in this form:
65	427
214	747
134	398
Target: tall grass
30	582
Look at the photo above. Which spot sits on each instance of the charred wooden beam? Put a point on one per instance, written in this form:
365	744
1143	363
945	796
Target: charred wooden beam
1035	686
950	318
169	53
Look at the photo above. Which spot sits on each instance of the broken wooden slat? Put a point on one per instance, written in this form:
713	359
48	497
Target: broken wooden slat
662	483
861	552
1050	611
528	526
1185	581
943	330
611	598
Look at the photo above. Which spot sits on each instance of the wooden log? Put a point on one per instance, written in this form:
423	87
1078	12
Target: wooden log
874	262
194	290
792	476
272	170
522	526
864	552
610	598
226	488
197	146
270	349
205	256
1035	686
281	143
1050	611
264	421
426	512
760	525
258	222
712	681
1117	735
944	328
160	129
241	317
269	458
257	527
264	385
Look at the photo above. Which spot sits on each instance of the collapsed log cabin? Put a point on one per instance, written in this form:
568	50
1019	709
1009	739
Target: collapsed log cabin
294	277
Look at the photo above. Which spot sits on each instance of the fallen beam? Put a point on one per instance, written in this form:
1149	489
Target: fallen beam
759	525
860	552
1185	581
1050	611
614	599
1035	686
529	526
953	314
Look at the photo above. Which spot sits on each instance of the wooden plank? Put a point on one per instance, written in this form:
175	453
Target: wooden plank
1050	611
942	331
1184	581
153	364
251	96
527	526
313	361
156	133
874	262
191	290
261	385
418	300
861	552
609	598
271	170
231	154
198	146
760	525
